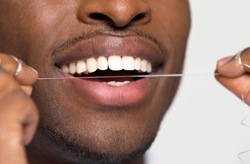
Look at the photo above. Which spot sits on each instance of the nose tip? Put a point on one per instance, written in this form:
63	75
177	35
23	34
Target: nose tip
118	13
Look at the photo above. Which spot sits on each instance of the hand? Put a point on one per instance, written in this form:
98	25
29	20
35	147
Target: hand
233	73
18	113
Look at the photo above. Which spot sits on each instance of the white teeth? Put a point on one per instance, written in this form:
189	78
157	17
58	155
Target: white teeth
115	63
65	69
117	84
138	64
144	65
91	65
102	63
81	66
149	67
128	63
72	68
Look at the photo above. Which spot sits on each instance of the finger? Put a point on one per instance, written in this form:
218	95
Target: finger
239	86
234	66
17	126
18	120
234	74
27	89
7	83
17	104
26	76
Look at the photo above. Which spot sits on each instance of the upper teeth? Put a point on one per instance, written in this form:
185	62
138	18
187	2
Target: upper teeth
114	63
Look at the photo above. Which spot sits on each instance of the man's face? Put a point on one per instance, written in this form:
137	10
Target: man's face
89	120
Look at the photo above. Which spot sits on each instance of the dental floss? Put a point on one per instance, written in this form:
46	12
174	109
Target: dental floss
241	154
128	76
246	114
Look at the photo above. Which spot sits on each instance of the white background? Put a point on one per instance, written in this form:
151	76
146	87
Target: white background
203	124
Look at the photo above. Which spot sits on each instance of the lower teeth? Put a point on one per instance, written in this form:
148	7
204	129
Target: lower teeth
117	84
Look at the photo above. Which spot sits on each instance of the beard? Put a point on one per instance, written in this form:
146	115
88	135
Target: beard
74	149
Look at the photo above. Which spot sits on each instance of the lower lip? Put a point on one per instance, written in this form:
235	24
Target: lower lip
100	93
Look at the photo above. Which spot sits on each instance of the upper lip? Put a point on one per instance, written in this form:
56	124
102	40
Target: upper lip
108	45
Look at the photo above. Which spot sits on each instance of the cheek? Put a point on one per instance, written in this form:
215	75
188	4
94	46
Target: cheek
10	32
172	19
26	26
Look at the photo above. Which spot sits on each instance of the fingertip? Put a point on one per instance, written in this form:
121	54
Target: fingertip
229	67
27	76
224	61
35	71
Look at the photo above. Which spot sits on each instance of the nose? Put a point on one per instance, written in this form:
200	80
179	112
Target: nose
118	13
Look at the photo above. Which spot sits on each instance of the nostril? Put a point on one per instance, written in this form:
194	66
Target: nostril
99	16
139	17
115	21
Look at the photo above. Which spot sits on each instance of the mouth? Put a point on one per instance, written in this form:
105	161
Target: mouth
110	67
108	56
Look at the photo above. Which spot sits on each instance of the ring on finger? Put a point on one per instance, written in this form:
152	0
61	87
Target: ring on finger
19	65
239	61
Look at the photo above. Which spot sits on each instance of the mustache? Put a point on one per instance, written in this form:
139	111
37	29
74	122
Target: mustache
85	36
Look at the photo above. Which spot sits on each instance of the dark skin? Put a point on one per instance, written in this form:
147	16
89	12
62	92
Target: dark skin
72	127
235	76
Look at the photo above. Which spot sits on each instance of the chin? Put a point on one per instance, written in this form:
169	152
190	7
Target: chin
115	144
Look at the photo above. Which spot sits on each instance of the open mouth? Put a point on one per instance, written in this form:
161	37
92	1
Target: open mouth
103	66
111	56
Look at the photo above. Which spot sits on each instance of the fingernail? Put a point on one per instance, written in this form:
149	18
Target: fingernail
33	70
223	61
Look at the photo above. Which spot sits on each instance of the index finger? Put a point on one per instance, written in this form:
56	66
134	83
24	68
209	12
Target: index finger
26	75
